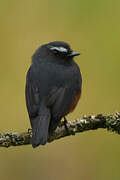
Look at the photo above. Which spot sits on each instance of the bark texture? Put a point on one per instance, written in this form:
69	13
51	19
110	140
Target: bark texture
109	122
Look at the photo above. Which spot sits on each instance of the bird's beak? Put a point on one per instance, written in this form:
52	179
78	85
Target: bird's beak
72	54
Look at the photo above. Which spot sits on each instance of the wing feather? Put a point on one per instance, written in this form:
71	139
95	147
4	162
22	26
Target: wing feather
60	99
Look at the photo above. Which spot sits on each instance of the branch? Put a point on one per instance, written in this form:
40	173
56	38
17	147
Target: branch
109	122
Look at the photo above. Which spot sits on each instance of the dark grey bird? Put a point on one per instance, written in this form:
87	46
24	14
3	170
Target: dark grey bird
53	88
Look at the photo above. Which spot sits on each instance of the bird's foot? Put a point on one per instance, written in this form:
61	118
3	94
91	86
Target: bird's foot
66	124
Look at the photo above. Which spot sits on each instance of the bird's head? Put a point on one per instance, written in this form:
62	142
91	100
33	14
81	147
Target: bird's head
58	50
62	49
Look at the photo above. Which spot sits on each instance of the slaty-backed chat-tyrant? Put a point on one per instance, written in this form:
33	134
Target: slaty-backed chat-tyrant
53	88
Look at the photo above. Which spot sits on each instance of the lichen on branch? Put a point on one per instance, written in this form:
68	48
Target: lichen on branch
109	122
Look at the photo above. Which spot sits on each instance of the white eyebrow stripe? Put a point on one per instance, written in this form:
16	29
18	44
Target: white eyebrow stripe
60	49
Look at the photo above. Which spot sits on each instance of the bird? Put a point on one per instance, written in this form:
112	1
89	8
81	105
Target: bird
53	88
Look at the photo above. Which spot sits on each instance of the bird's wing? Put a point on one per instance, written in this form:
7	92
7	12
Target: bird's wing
39	115
61	97
32	99
60	100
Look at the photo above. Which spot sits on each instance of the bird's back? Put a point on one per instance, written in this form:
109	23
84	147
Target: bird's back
47	75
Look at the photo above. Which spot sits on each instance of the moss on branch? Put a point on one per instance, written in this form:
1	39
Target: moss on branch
109	122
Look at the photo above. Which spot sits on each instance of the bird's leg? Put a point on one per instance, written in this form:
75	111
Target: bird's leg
66	124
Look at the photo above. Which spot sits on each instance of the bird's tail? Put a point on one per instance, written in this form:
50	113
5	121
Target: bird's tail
40	126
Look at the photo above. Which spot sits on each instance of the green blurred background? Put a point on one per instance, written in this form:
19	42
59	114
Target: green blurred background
91	27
